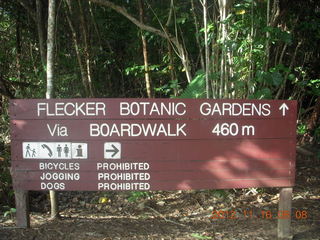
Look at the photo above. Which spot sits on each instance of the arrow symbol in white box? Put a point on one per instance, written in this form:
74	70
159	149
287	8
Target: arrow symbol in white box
112	150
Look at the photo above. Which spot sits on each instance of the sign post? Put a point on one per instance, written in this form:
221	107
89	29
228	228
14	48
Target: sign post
285	201
22	207
152	144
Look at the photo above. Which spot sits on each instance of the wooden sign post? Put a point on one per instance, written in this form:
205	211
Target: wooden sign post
152	144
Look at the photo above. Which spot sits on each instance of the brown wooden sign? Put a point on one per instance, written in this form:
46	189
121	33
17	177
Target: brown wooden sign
152	144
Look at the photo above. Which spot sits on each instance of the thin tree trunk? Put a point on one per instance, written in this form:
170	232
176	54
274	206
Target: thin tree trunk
50	48
282	87
146	66
95	26
251	90
216	54
86	49
224	8
41	35
145	53
315	116
173	76
206	46
185	61
18	45
83	73
196	24
170	50
49	93
267	50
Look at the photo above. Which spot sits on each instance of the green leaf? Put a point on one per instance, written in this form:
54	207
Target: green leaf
291	76
181	20
9	212
199	236
302	129
264	93
276	78
136	195
196	88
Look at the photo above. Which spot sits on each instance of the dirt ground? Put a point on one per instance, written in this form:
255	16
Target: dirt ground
175	215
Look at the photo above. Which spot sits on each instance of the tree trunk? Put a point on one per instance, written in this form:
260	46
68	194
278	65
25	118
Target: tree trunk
173	76
49	93
315	116
41	36
18	45
196	24
145	53
267	50
84	75
206	46
215	51
50	48
282	87
86	48
224	8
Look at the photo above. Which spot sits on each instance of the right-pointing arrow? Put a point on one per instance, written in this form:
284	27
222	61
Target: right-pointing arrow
283	108
115	150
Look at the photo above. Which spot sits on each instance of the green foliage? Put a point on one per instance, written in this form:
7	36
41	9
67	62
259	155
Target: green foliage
268	82
9	211
316	135
314	85
306	85
196	88
136	195
4	126
199	236
169	88
248	42
219	193
6	191
264	93
302	129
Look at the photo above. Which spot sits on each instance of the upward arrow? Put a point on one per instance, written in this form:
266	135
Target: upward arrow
284	108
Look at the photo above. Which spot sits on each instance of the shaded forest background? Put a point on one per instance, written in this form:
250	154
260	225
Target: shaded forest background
258	49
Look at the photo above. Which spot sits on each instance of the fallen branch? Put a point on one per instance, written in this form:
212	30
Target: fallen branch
167	220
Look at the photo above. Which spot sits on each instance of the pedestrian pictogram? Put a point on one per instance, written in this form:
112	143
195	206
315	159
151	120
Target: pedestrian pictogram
28	149
33	153
29	152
